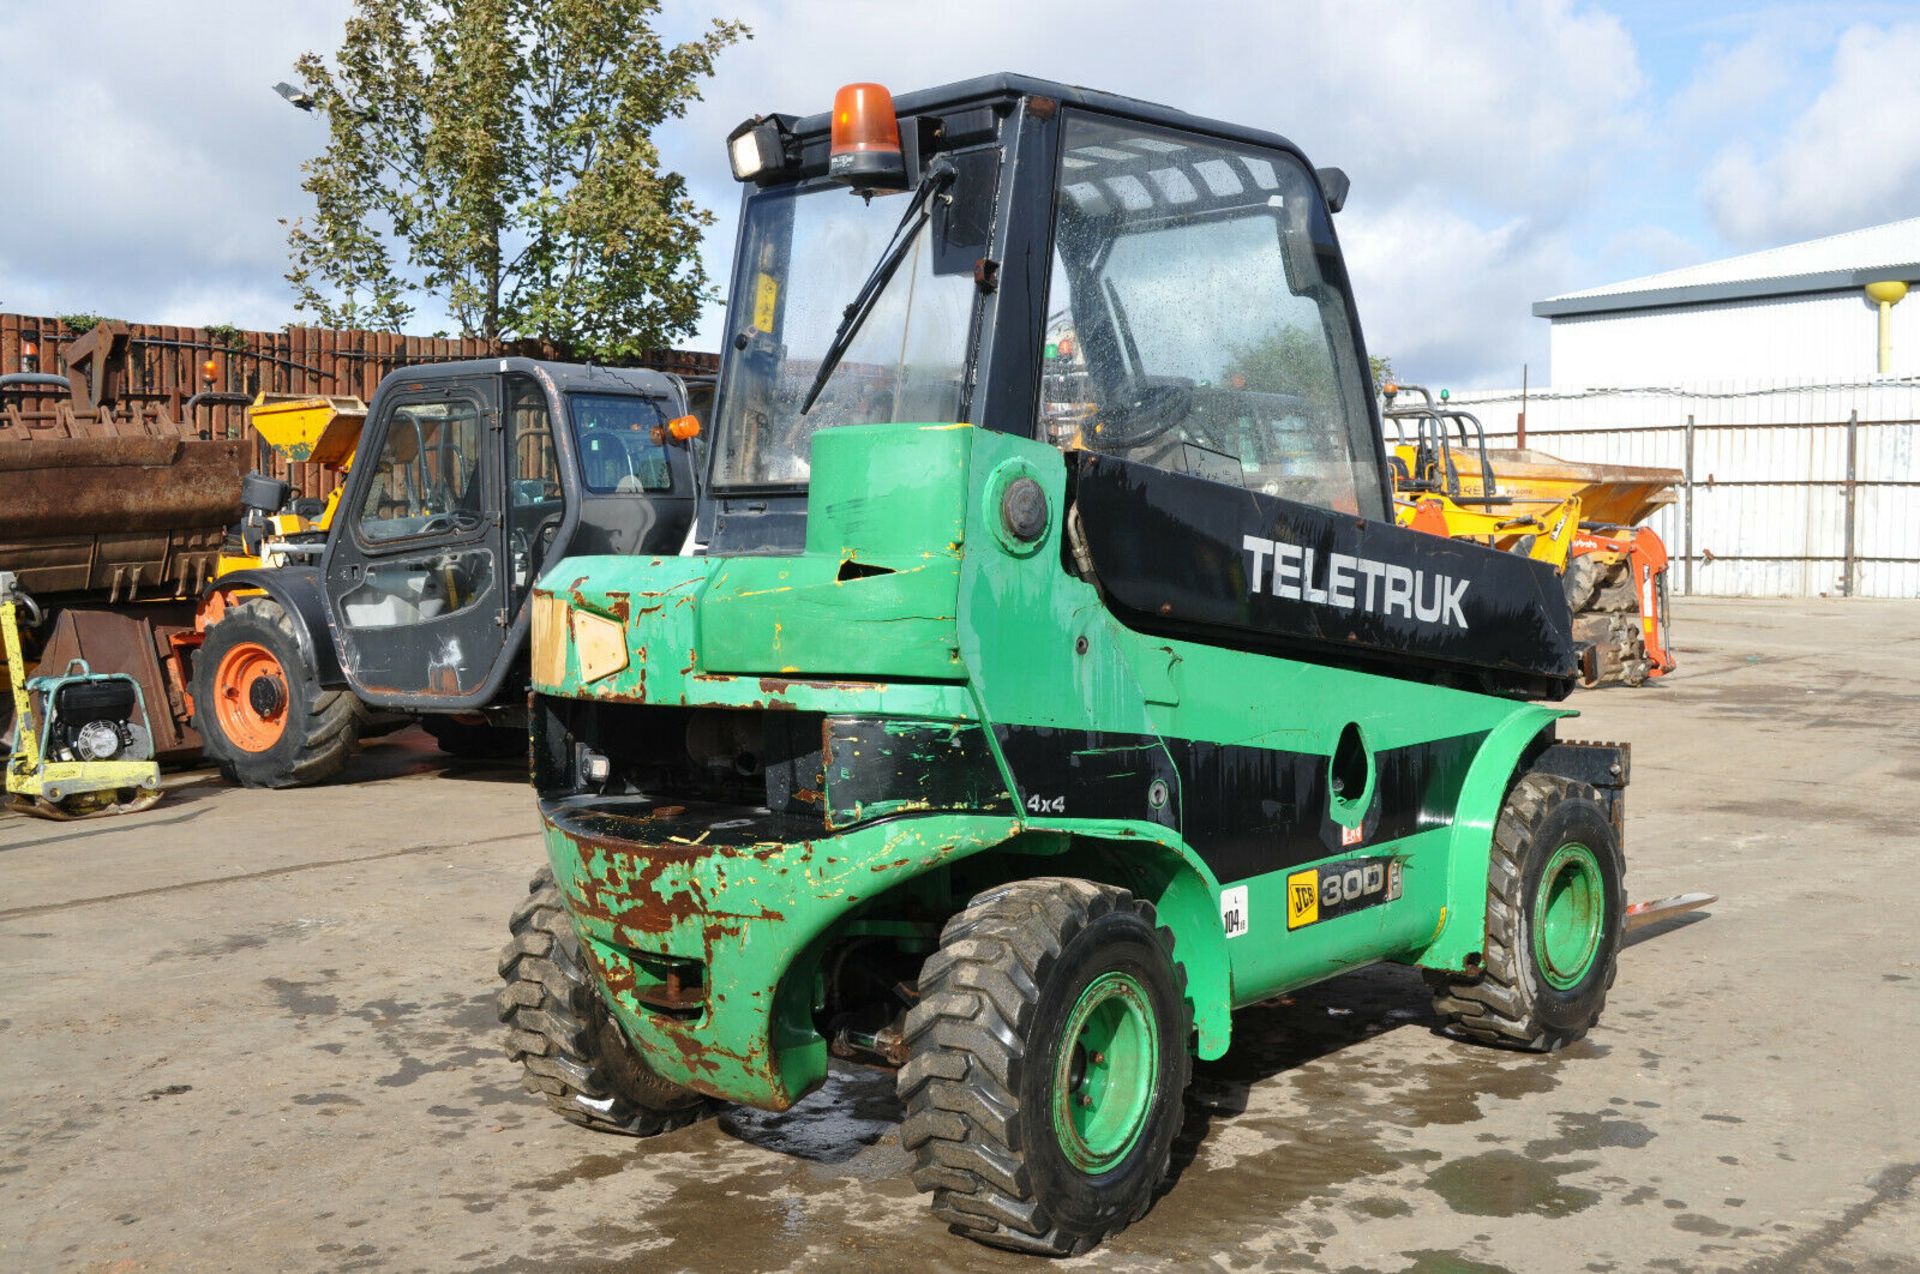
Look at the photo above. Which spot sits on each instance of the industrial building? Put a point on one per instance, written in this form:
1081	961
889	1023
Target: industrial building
1795	313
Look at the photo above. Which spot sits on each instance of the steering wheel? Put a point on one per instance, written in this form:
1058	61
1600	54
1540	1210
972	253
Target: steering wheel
458	520
1143	411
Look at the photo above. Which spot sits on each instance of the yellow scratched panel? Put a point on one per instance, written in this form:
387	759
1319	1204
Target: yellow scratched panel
601	645
1303	898
549	640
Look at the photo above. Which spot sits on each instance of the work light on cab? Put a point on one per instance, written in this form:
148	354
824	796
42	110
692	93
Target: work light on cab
760	148
865	150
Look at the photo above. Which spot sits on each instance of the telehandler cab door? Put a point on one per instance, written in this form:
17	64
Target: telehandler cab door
420	576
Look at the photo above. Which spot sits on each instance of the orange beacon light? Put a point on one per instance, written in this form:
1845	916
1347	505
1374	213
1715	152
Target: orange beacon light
865	151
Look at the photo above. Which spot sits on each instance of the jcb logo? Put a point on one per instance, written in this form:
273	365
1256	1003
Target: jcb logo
1303	898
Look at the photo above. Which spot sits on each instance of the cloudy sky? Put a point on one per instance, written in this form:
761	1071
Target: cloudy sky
1500	152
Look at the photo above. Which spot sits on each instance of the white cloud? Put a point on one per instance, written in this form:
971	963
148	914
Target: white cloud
163	161
1736	81
150	158
1446	116
1851	159
1437	293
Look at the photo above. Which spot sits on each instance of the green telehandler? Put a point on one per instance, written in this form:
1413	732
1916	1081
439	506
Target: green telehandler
1053	680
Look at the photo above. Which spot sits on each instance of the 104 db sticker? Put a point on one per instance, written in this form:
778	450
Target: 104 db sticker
1338	889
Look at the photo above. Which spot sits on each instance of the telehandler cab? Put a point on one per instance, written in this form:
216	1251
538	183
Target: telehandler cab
404	594
1033	711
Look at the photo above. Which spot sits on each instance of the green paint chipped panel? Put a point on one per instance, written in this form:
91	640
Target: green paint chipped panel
747	914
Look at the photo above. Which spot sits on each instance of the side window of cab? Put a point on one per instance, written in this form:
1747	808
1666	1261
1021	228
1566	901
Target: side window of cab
1197	318
426	478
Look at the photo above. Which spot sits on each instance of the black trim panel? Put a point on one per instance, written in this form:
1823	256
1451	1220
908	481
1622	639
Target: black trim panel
1184	556
1245	810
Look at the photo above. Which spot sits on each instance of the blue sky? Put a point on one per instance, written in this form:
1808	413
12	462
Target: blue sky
1502	150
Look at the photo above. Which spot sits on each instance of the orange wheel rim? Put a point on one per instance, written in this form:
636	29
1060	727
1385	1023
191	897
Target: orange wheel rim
250	697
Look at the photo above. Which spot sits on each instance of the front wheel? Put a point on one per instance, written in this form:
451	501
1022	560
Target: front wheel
261	714
571	1051
1046	1065
1556	907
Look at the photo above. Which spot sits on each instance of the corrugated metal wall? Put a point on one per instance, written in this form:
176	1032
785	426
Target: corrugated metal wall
1827	337
1776	475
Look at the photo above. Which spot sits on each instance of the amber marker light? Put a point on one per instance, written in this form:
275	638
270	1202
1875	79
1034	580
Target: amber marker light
865	150
684	427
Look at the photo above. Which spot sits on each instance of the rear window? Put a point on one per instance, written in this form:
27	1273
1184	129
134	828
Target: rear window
622	443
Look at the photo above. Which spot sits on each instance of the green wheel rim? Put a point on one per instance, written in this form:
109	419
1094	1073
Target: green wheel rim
1105	1073
1569	916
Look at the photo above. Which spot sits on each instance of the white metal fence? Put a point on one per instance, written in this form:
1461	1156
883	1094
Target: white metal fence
1789	489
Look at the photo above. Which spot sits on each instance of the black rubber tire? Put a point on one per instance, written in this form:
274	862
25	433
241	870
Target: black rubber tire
981	1049
323	726
1579	581
1510	1003
475	742
570	1049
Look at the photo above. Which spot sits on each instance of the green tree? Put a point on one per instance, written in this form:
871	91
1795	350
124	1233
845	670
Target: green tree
1287	360
1295	360
497	155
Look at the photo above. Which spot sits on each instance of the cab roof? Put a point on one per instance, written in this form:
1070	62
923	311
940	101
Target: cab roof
1008	86
565	377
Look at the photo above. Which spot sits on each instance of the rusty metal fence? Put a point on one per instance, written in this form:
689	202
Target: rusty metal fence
194	382
1787	490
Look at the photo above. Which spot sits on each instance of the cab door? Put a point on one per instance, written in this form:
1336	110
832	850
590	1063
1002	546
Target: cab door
418	572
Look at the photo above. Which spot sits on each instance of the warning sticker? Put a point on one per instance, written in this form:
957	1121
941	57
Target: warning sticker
766	299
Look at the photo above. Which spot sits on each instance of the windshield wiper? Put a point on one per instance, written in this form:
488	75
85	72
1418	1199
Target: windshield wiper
939	173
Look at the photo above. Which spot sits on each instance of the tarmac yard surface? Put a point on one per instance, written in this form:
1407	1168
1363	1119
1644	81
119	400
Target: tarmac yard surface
255	1030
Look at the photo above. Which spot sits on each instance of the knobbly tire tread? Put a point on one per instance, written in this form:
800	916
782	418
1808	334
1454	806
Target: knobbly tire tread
570	1050
967	1045
1579	582
1501	1005
327	728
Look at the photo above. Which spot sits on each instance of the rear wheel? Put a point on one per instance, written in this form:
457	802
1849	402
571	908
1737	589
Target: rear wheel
1579	581
1556	904
570	1049
475	740
261	714
1047	1062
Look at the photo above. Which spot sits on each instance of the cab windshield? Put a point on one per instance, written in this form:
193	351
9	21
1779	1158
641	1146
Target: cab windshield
805	252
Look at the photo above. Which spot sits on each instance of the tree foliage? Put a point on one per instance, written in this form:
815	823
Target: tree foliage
1287	360
498	155
1295	360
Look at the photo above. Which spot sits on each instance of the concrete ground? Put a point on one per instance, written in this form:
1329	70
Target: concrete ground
254	1030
